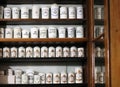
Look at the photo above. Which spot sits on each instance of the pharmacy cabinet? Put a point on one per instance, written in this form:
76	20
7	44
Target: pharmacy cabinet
54	43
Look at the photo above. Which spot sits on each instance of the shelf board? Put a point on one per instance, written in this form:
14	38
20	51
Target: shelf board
45	40
42	21
99	85
43	61
99	61
99	21
98	38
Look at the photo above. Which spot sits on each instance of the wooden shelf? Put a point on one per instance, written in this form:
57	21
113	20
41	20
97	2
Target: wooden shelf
43	61
41	21
46	40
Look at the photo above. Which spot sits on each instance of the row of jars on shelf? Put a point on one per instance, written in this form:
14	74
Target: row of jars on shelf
98	30
44	12
99	52
43	32
42	52
32	77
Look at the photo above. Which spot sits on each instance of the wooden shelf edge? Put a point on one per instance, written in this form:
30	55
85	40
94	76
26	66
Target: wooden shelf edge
44	40
98	38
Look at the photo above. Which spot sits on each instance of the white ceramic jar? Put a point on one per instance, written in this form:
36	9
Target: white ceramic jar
29	52
36	79
2	32
49	78
10	72
36	52
98	52
73	51
79	12
56	78
61	32
24	13
35	12
7	13
21	52
34	32
54	11
71	32
101	77
72	12
98	13
44	52
64	78
15	13
30	74
51	51
6	52
18	75
79	77
17	32
8	33
42	32
42	78
71	78
63	12
24	78
45	12
14	52
25	33
52	32
80	52
59	51
79	32
66	52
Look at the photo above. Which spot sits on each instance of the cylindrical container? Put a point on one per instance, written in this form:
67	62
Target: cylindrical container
17	32
35	12
25	33
1	12
101	31
102	13
71	77
79	32
101	78
36	79
36	51
98	13
59	51
6	52
15	13
79	72
52	32
24	13
96	75
30	74
72	12
51	51
81	52
34	32
98	52
80	12
7	13
71	32
24	78
54	11
43	32
56	78
44	51
10	72
42	78
49	78
14	52
63	12
73	51
21	52
64	77
8	33
61	32
45	12
2	32
66	52
18	75
29	52
1	53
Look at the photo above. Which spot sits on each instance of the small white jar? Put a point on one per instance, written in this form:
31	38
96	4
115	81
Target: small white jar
24	13
51	51
72	12
66	52
63	12
2	32
79	32
44	51
54	11
71	77
52	32
36	51
56	78
14	52
36	79
1	12
80	52
45	12
71	32
30	74
25	33
21	52
17	32
24	78
34	32
15	13
61	32
7	13
29	52
6	52
98	13
49	78
80	12
35	12
73	51
42	78
79	72
98	52
42	32
64	77
59	51
10	72
8	33
101	78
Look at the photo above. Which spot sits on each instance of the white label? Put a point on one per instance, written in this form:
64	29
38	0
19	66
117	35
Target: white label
73	51
71	78
80	52
59	51
63	78
66	52
51	52
56	78
49	78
